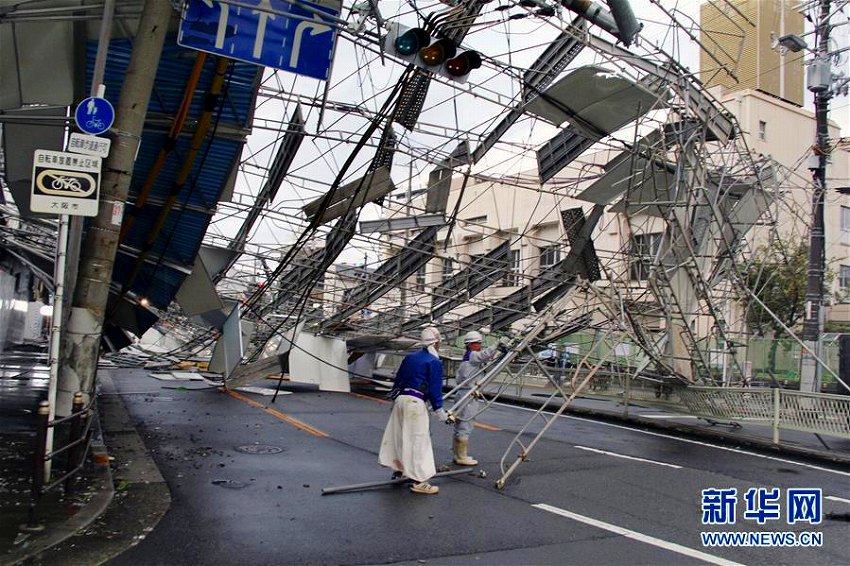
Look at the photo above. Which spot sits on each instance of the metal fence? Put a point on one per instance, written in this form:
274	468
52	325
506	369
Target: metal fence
65	461
782	409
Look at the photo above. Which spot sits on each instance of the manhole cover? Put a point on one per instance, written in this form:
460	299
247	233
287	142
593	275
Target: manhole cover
259	449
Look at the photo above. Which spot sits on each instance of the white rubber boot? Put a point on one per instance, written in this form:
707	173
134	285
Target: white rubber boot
460	446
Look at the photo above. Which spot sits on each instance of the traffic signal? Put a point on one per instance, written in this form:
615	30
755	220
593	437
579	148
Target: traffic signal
411	41
461	65
440	55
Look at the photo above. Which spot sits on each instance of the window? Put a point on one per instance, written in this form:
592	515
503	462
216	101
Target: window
511	277
762	130
644	249
448	269
844	277
420	278
549	256
845	218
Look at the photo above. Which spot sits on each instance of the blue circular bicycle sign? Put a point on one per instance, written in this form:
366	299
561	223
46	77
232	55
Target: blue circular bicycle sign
94	115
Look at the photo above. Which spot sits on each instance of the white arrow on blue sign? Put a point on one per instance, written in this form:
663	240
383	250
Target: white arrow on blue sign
274	34
94	115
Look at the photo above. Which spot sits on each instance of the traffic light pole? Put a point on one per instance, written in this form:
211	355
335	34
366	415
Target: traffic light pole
81	343
813	324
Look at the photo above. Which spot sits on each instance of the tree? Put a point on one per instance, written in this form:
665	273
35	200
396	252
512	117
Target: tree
777	276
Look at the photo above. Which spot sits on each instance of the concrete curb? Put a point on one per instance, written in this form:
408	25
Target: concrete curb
144	496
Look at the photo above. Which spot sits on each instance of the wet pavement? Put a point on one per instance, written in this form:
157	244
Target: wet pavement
205	476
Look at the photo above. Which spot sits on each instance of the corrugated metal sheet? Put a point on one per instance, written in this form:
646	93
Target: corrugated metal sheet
173	253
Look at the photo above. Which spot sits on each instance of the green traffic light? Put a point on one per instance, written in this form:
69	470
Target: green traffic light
411	41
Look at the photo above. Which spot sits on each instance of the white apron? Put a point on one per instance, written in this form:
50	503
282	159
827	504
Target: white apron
406	446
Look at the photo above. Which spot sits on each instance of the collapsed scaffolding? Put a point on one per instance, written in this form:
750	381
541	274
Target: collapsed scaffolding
638	148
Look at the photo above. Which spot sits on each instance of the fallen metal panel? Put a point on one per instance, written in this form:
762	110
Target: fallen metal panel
439	186
230	346
353	195
37	63
20	140
197	293
321	361
715	117
594	100
402	223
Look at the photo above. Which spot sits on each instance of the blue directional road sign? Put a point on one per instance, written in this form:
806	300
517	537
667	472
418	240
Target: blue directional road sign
274	34
94	115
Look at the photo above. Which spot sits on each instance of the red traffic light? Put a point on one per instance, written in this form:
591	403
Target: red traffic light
438	52
463	63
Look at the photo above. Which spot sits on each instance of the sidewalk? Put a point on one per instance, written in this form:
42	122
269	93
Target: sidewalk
84	530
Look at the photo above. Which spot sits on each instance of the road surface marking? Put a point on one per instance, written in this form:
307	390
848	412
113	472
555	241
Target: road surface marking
671	546
689	441
375	399
277	414
674	466
833	498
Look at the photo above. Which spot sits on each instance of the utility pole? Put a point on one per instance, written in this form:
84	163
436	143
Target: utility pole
81	343
820	83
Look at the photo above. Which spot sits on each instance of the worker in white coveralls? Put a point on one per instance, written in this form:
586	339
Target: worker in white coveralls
406	446
474	359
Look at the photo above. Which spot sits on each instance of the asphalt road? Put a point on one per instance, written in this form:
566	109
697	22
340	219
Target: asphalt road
590	493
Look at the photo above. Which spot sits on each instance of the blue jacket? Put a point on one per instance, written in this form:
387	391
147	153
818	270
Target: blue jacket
422	371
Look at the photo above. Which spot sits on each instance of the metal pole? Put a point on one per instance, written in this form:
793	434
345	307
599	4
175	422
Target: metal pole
813	324
56	328
776	414
39	453
370	484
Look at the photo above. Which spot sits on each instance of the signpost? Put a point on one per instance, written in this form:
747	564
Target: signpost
94	115
65	183
277	34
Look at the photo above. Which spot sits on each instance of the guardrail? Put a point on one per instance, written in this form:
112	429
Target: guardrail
75	449
817	413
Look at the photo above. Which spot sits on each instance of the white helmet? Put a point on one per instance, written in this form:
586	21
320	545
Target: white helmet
472	336
429	336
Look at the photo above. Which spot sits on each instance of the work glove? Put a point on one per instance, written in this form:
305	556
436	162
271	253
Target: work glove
504	344
441	415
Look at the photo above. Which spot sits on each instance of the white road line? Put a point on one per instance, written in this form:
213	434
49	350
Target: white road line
674	466
839	499
671	546
689	441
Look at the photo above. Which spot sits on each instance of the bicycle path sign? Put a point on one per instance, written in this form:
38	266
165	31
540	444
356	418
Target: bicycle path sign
94	115
65	183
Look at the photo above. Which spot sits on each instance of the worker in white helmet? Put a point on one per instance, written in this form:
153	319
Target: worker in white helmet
474	359
406	445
